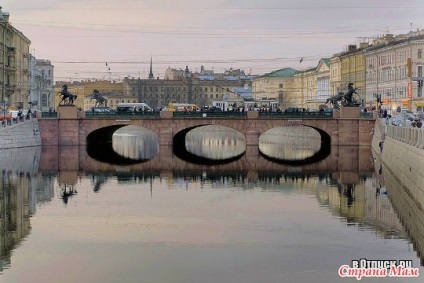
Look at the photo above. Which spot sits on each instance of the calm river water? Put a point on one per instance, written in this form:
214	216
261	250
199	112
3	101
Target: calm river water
66	217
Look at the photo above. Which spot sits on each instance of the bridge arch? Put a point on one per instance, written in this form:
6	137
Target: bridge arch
323	151
180	150
99	145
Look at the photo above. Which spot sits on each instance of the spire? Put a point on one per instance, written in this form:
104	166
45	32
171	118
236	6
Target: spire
151	70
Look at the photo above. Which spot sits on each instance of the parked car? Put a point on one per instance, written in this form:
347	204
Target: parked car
420	115
399	120
102	110
211	108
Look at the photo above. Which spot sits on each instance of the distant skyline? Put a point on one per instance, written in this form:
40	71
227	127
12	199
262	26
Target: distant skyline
80	36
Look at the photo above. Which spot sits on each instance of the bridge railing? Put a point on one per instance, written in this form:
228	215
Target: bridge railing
210	114
366	115
122	115
409	135
285	115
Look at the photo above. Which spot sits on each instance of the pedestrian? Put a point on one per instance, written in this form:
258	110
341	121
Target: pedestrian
419	123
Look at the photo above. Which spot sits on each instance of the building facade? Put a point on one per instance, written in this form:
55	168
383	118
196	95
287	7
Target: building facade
42	93
394	72
14	65
277	85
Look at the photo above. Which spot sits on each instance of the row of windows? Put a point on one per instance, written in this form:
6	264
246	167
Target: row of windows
206	89
392	74
389	59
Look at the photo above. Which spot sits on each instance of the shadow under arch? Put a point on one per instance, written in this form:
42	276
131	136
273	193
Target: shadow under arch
179	150
323	152
99	147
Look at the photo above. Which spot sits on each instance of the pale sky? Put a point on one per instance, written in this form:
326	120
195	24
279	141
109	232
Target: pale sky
80	36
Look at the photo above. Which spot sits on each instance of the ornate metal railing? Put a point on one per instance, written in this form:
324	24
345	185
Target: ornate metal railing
366	115
48	114
210	114
303	115
121	115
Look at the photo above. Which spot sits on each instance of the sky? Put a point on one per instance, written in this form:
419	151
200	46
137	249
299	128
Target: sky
103	39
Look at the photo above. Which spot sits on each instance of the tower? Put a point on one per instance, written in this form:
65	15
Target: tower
151	77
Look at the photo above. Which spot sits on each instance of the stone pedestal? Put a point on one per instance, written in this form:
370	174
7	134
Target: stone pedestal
347	112
67	112
252	114
166	114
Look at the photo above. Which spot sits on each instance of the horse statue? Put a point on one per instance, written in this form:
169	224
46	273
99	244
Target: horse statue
349	94
67	98
346	99
100	100
334	100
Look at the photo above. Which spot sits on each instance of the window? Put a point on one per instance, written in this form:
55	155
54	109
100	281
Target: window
44	100
419	71
420	53
280	85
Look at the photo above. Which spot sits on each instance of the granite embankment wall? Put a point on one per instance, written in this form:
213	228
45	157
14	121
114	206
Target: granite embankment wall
403	154
402	172
20	134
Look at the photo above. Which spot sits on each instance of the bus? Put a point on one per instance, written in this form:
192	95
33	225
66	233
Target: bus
175	107
133	107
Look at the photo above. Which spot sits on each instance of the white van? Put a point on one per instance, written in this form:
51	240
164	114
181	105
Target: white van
133	107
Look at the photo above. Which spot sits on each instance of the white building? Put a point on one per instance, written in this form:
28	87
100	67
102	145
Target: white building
394	71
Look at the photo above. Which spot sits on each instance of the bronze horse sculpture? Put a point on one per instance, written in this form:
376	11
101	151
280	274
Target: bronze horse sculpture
346	99
334	100
67	98
100	100
349	94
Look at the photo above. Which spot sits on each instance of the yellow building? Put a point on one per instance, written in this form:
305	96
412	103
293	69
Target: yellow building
335	75
276	85
353	70
14	65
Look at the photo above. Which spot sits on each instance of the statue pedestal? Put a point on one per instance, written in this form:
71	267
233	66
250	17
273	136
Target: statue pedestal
67	112
348	112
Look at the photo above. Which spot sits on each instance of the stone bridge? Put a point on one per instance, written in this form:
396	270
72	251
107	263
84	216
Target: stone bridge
72	128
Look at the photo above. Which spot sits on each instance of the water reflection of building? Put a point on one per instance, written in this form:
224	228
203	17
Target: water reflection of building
215	142
22	190
360	205
135	143
290	143
14	212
